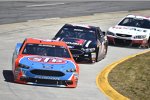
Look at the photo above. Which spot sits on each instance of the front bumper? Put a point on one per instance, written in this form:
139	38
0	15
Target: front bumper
126	42
91	56
24	76
48	82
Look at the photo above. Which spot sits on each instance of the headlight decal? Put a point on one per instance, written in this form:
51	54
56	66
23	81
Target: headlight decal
71	70
23	66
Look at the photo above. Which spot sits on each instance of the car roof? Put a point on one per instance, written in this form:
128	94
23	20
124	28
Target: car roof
139	17
45	41
81	25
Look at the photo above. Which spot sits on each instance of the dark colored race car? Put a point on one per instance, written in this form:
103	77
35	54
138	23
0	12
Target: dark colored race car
86	43
44	62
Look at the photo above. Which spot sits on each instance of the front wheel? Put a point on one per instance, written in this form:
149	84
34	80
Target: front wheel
148	44
105	51
97	55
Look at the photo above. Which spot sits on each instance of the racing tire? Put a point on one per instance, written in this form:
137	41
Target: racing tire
105	51
148	44
97	53
14	77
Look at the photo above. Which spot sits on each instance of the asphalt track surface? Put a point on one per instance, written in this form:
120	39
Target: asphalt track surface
10	34
19	11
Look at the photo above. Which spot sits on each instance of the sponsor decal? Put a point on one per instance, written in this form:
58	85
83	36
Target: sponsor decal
72	43
47	77
50	60
132	28
71	47
118	27
80	41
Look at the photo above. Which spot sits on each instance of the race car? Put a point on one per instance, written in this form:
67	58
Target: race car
132	30
86	43
44	62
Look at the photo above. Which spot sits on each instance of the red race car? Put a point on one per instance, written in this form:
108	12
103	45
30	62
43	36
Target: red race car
44	62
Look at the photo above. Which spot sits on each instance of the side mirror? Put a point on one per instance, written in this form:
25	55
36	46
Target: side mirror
18	47
104	33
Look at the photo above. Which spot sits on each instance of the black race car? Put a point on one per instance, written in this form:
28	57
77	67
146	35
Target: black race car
85	42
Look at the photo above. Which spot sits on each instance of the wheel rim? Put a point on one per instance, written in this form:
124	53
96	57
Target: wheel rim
105	50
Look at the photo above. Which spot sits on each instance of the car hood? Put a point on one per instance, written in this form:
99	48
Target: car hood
129	30
75	42
47	63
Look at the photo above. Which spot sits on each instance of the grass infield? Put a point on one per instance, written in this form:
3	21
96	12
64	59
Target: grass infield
132	77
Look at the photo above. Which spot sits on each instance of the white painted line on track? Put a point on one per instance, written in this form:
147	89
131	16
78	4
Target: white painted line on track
42	5
44	19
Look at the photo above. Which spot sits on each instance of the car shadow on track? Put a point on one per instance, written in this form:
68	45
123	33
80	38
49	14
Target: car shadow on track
8	75
84	62
128	47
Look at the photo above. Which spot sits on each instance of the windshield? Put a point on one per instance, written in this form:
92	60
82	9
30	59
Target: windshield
46	50
77	32
134	22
